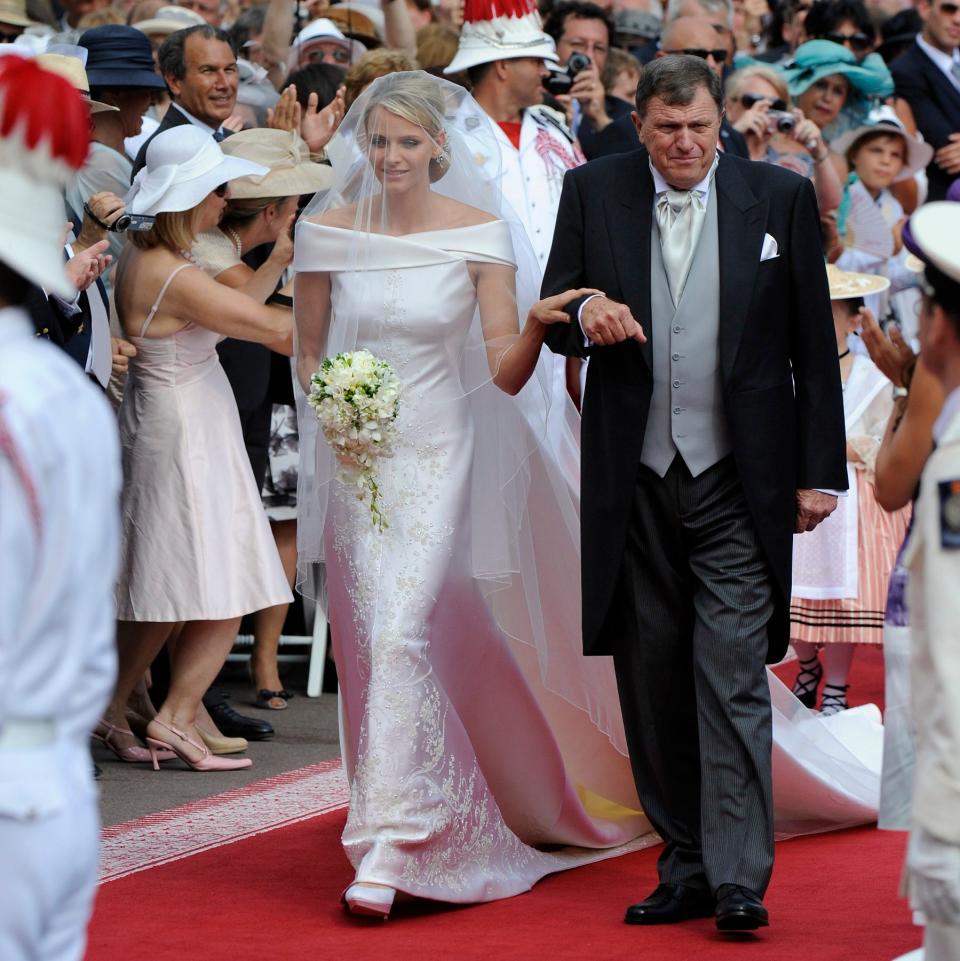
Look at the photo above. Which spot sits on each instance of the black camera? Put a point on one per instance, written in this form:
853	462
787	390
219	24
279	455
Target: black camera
560	81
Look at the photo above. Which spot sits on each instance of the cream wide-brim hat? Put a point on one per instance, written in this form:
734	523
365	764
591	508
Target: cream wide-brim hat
33	230
169	20
845	284
183	166
934	229
290	171
502	38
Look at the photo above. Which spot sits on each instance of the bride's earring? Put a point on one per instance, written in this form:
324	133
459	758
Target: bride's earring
440	164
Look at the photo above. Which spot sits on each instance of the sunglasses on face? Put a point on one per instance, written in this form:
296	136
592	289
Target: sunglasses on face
949	9
750	100
857	41
221	191
719	56
9	37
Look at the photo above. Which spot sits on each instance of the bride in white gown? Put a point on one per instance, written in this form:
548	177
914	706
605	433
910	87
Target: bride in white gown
483	751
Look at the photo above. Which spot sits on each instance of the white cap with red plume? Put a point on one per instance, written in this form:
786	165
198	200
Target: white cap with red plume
44	141
501	30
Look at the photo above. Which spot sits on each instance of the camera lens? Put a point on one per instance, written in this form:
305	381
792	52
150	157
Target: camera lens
121	223
577	62
786	123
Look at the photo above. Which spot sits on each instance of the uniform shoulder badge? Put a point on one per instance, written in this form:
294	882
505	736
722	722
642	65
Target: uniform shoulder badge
949	491
555	119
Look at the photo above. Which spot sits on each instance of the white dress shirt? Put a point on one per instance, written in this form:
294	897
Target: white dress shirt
196	122
947	63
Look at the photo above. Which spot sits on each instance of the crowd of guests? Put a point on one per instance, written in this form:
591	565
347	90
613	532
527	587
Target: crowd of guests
219	114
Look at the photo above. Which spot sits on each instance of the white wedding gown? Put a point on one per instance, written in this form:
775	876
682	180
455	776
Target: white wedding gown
480	760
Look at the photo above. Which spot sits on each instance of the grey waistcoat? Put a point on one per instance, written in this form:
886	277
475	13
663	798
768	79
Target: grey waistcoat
686	410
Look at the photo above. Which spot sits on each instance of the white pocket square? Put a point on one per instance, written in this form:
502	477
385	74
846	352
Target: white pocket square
769	249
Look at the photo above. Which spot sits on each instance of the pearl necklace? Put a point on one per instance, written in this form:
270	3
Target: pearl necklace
236	241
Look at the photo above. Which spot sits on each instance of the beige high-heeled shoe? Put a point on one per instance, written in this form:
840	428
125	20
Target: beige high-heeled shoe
218	744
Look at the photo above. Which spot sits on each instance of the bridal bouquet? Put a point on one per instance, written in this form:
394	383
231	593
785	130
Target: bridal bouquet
356	397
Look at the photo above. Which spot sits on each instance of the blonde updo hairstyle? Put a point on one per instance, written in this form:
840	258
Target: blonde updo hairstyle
418	99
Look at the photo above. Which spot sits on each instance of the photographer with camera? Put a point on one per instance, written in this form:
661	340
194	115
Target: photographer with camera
758	105
583	33
505	56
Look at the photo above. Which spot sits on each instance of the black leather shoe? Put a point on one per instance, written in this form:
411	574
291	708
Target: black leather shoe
739	909
232	724
671	903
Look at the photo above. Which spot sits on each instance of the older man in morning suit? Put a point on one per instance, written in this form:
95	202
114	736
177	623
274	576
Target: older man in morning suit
712	430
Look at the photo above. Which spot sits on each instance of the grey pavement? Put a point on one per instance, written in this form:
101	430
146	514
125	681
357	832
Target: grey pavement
306	733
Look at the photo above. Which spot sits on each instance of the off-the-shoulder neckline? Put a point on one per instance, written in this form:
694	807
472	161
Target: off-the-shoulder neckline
416	233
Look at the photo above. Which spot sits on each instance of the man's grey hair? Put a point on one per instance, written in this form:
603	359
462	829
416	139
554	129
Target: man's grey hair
675	79
675	9
171	57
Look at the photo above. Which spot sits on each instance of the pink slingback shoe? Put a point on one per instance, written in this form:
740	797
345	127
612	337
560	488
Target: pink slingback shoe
132	753
207	761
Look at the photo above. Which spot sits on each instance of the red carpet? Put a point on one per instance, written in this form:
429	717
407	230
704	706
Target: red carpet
275	896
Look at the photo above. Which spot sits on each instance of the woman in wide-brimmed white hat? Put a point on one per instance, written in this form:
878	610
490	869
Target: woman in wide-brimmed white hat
261	210
197	547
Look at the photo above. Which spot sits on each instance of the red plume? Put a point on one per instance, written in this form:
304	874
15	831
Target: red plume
475	11
43	107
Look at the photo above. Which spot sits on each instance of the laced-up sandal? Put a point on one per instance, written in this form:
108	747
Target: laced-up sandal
807	682
834	699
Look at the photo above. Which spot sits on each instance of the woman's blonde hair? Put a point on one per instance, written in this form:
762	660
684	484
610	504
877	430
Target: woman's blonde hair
176	231
437	45
418	99
737	83
374	64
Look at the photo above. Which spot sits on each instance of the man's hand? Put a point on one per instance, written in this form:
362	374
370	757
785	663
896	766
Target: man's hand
606	322
318	126
84	268
893	355
122	350
550	310
588	89
234	122
107	207
812	508
948	157
934	870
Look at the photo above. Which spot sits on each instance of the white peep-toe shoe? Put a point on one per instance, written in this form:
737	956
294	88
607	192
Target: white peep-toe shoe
370	900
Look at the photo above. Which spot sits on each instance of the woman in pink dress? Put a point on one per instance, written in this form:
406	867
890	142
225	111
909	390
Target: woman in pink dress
197	549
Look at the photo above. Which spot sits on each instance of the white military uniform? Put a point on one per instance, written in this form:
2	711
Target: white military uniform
932	557
59	542
531	177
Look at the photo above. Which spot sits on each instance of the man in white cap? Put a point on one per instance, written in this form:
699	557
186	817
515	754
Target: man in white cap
506	58
932	557
59	542
322	41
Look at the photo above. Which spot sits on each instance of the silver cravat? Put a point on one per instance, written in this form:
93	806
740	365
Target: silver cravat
680	217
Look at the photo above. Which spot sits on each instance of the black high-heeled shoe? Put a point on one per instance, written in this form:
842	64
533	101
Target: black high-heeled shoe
807	682
834	699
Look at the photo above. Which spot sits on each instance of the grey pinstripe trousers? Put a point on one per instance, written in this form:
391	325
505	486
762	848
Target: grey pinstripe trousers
691	608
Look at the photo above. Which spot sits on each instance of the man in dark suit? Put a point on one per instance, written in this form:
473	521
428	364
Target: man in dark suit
927	76
200	68
712	430
679	36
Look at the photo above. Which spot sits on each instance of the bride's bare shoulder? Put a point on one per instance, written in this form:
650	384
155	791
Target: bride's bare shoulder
458	214
343	217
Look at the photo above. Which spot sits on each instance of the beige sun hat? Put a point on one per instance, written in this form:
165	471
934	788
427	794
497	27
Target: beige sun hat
845	284
291	173
71	68
14	13
168	20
